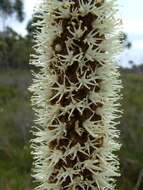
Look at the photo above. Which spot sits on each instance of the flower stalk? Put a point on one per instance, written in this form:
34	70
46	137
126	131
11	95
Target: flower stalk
75	95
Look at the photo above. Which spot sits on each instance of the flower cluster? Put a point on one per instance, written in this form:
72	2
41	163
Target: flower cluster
75	95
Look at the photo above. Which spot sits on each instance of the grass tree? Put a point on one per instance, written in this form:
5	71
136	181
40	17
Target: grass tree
75	95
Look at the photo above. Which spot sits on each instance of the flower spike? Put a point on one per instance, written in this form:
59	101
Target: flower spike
75	95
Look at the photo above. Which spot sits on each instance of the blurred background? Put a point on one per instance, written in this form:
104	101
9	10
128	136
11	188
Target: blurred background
16	116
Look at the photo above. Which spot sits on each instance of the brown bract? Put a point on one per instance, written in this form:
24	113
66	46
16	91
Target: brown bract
70	77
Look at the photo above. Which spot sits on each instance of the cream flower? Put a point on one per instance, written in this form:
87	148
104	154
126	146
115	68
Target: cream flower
75	95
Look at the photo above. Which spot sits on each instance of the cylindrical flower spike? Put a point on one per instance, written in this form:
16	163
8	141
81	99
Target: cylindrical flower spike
75	95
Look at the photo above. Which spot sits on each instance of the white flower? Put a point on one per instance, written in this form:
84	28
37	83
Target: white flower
77	32
75	95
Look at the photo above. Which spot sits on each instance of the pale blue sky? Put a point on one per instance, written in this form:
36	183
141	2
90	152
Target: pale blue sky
131	13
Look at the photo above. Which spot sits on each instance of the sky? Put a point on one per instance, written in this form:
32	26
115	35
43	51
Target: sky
131	13
132	16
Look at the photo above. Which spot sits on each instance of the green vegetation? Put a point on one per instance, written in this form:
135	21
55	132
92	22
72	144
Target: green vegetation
132	124
16	119
14	50
15	122
132	132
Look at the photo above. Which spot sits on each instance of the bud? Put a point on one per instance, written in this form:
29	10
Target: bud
75	95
